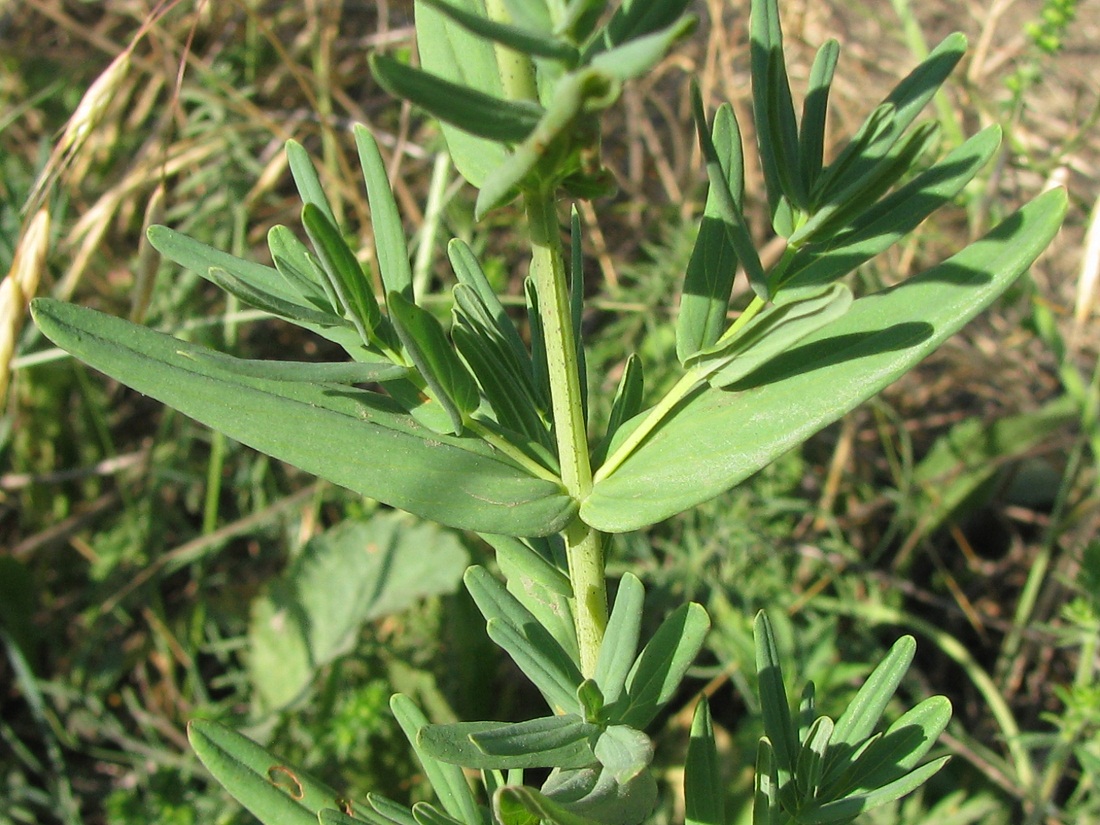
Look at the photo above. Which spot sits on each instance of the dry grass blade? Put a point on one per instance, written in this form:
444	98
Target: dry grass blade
16	290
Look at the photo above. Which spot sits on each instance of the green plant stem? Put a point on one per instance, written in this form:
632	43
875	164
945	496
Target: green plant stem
660	411
583	545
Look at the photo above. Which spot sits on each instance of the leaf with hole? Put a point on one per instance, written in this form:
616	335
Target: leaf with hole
276	793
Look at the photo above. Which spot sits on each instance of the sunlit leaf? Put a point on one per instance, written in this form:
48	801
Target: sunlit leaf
352	437
276	793
470	110
716	438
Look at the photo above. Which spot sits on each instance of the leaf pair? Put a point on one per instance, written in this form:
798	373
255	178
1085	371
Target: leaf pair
814	771
636	686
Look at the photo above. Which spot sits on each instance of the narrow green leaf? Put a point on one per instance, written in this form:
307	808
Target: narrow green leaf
861	716
200	258
389	235
895	216
765	802
516	630
905	102
661	666
591	699
505	384
639	55
545	734
469	273
295	312
306	180
359	815
275	793
620	641
553	742
811	757
520	805
626	404
390	810
348	372
900	748
704	301
716	438
637	18
704	799
524	41
580	18
512	404
301	271
728	210
536	654
426	343
773	109
860	196
355	438
539	374
427	814
449	51
811	135
778	725
782	125
448	781
849	807
345	273
871	141
772	332
473	111
540	587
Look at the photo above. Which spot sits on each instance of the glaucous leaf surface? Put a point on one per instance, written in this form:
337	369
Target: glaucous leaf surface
352	437
718	437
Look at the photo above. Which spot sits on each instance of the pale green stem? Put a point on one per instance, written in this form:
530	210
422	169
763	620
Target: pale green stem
517	72
507	448
583	546
660	411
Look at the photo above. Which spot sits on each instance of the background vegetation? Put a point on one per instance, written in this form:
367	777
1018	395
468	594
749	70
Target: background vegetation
147	563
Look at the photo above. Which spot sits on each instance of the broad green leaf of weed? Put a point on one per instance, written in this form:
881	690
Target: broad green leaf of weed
353	573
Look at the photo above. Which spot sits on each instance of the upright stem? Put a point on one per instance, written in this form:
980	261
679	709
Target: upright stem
583	544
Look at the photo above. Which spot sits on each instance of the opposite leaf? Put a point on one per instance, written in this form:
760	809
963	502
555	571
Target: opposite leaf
355	438
716	438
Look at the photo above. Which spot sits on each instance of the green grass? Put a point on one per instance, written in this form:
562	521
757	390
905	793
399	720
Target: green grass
138	543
